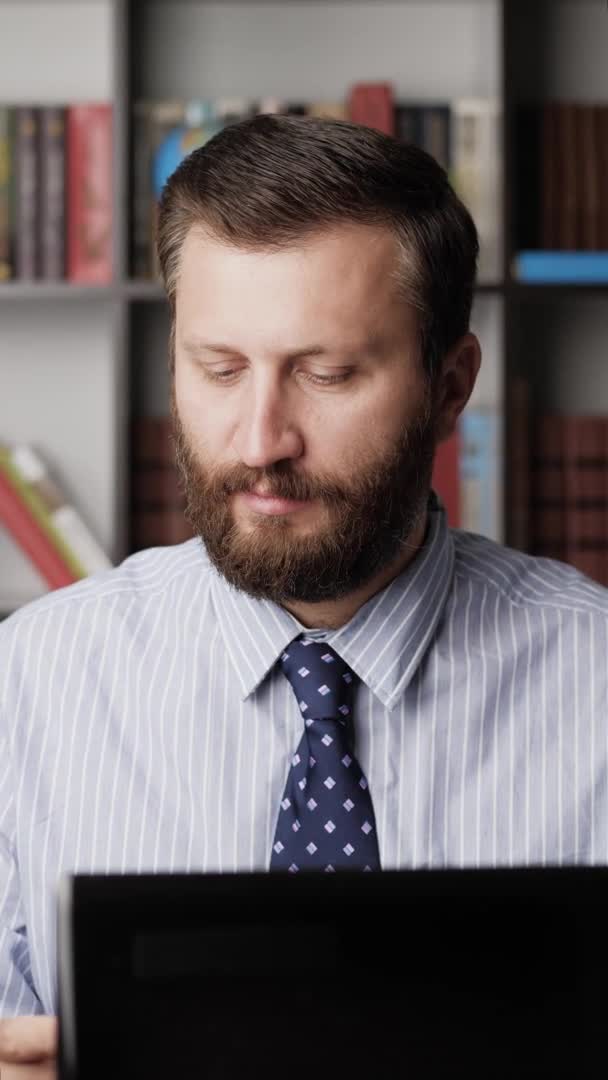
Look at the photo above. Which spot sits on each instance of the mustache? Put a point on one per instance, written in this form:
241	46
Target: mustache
276	482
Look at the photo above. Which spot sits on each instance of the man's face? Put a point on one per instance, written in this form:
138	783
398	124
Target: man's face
352	456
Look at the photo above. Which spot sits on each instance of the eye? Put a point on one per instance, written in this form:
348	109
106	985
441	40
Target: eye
319	380
327	380
219	376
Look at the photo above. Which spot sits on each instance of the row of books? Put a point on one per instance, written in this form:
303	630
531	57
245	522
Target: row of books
467	476
463	135
56	193
568	518
562	181
43	523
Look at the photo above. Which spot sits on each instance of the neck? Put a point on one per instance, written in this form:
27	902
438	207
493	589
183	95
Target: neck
332	614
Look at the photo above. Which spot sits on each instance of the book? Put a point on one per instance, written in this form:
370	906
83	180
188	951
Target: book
547	526
480	462
176	129
561	159
569	491
26	204
585	464
601	121
588	209
547	193
79	543
408	122
27	532
7	210
436	130
158	501
334	110
561	267
427	125
140	188
89	193
372	104
518	405
568	180
477	175
52	193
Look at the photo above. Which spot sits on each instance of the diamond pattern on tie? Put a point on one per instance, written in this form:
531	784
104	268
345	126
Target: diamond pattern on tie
326	817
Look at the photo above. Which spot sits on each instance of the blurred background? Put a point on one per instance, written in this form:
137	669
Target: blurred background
101	99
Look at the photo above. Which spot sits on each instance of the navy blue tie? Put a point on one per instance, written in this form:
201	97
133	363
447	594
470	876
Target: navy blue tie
326	818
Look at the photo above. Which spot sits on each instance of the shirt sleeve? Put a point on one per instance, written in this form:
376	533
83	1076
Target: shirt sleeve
17	994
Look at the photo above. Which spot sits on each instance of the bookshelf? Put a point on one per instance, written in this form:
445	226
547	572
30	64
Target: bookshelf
77	363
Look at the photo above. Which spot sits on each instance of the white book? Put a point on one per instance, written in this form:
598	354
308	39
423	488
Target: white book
477	175
65	517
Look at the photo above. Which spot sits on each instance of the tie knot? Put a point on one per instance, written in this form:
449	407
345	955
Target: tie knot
322	682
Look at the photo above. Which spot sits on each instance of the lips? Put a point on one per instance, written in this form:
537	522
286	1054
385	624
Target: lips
271	504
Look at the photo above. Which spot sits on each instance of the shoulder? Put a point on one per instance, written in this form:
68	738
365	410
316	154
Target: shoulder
154	574
526	581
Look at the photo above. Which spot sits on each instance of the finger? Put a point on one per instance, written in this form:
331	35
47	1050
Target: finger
28	1039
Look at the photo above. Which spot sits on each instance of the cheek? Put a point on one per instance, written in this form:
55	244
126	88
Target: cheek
200	421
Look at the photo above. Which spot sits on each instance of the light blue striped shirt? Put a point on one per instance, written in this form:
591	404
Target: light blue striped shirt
145	726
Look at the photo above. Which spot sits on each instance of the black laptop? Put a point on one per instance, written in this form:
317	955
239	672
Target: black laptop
345	975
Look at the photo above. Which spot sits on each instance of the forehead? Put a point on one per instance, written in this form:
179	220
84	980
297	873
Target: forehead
342	275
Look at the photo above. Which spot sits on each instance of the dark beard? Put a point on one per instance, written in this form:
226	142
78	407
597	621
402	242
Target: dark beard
371	522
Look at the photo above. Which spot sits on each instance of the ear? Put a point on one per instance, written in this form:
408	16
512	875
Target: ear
456	381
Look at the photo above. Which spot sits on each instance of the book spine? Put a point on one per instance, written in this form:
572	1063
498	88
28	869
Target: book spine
480	511
568	190
446	477
588	267
435	133
588	156
52	214
7	269
601	120
477	175
154	485
142	194
89	188
549	164
31	537
35	505
86	554
372	104
529	161
164	117
584	500
26	186
158	528
519	488
157	500
332	110
408	123
547	518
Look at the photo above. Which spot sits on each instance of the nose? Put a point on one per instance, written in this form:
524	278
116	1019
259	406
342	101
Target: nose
267	432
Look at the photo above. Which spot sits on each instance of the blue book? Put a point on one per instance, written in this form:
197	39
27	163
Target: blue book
564	267
481	473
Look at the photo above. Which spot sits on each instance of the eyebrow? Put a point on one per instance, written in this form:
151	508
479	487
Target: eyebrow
195	345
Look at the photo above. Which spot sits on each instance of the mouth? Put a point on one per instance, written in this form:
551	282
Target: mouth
269	504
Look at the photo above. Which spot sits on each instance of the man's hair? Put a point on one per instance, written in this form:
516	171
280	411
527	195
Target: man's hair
269	181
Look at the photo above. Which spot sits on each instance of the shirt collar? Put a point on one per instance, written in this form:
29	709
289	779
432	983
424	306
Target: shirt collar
384	641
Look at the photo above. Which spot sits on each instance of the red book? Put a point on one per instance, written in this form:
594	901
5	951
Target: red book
89	193
446	477
372	104
31	538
